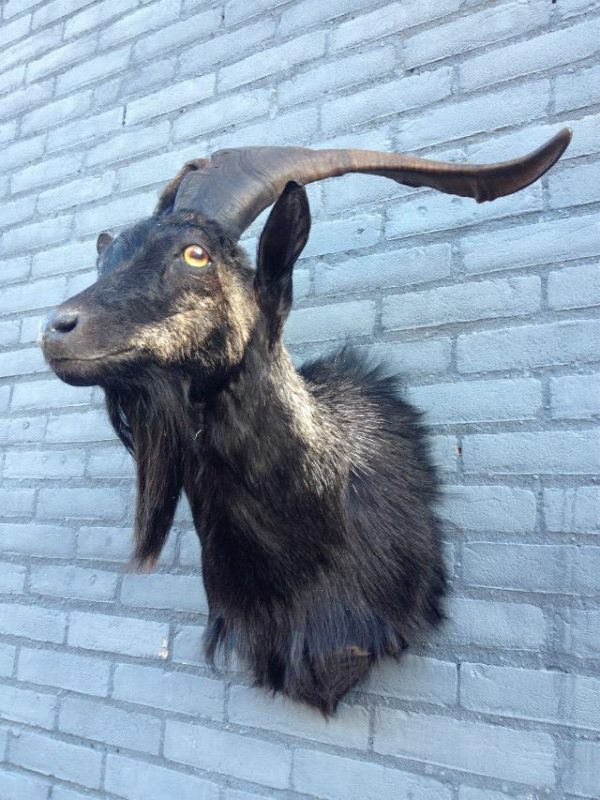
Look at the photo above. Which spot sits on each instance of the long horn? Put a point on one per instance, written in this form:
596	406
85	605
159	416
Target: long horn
234	186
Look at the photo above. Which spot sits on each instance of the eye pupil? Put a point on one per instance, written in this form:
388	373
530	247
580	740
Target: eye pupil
196	256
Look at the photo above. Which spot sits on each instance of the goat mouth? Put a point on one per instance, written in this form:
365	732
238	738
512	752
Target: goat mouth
88	370
102	357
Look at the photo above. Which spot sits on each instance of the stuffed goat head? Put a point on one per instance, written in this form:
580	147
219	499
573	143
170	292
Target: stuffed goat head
312	491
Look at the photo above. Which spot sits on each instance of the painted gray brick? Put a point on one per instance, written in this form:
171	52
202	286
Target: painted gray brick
391	19
182	592
85	503
71	762
44	394
187	645
331	322
93	15
56	59
114	212
554	452
105	723
57	9
462	303
476	30
335	778
35	236
499	625
47	172
82	131
129	144
217	115
41	624
526	346
12	578
575	396
466	745
175	97
143	20
82	674
38	120
69	581
105	544
585	92
178	35
124	635
302	14
574	510
223	48
92	70
173	691
37	540
535	54
237	10
127	778
416	678
22	362
8	657
478	401
489	508
575	287
583	769
228	753
16	786
254	708
16	502
57	464
27	706
580	633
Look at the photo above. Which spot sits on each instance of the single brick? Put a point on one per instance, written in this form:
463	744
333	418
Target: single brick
218	115
93	69
178	35
489	508
8	656
582	775
88	503
182	592
26	430
237	10
390	19
23	100
128	144
57	58
85	190
479	114
554	452
302	14
17	211
415	678
145	19
175	97
81	131
228	753
462	303
357	68
172	691
255	708
104	544
134	637
478	401
82	674
17	786
15	270
38	294
37	540
528	346
575	396
132	779
83	426
69	581
114	212
47	116
533	55
501	626
46	173
574	186
204	56
336	778
155	169
22	152
466	745
32	622
12	577
572	510
432	212
444	452
27	706
277	60
70	762
105	723
478	29
575	287
531	244
33	237
330	322
16	502
187	645
581	93
96	14
110	462
423	356
392	268
386	99
57	464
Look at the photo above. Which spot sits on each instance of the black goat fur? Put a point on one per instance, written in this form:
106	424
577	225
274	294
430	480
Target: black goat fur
312	491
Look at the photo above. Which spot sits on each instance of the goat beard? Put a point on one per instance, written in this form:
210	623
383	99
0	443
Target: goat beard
150	421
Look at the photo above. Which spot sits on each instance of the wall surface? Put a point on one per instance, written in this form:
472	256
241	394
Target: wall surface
488	310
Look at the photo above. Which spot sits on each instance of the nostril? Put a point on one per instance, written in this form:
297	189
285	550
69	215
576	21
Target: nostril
62	321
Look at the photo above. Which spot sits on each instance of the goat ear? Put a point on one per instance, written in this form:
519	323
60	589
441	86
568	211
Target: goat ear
103	240
283	238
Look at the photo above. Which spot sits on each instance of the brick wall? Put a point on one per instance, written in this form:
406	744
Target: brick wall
489	310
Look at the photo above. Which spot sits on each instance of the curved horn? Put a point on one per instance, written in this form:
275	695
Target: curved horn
234	186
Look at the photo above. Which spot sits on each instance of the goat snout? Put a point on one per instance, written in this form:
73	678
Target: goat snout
60	321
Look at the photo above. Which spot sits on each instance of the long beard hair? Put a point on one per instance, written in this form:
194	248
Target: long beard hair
150	420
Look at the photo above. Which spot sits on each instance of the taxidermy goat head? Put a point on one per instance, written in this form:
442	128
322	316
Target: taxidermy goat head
312	491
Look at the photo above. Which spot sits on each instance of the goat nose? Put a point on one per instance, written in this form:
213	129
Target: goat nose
61	321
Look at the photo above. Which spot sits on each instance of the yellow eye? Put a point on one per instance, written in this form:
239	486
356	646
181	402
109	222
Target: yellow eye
196	256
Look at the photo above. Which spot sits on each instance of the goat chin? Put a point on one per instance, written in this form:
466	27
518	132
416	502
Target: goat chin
318	556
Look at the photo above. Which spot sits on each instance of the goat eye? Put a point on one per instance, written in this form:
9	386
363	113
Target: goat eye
196	256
